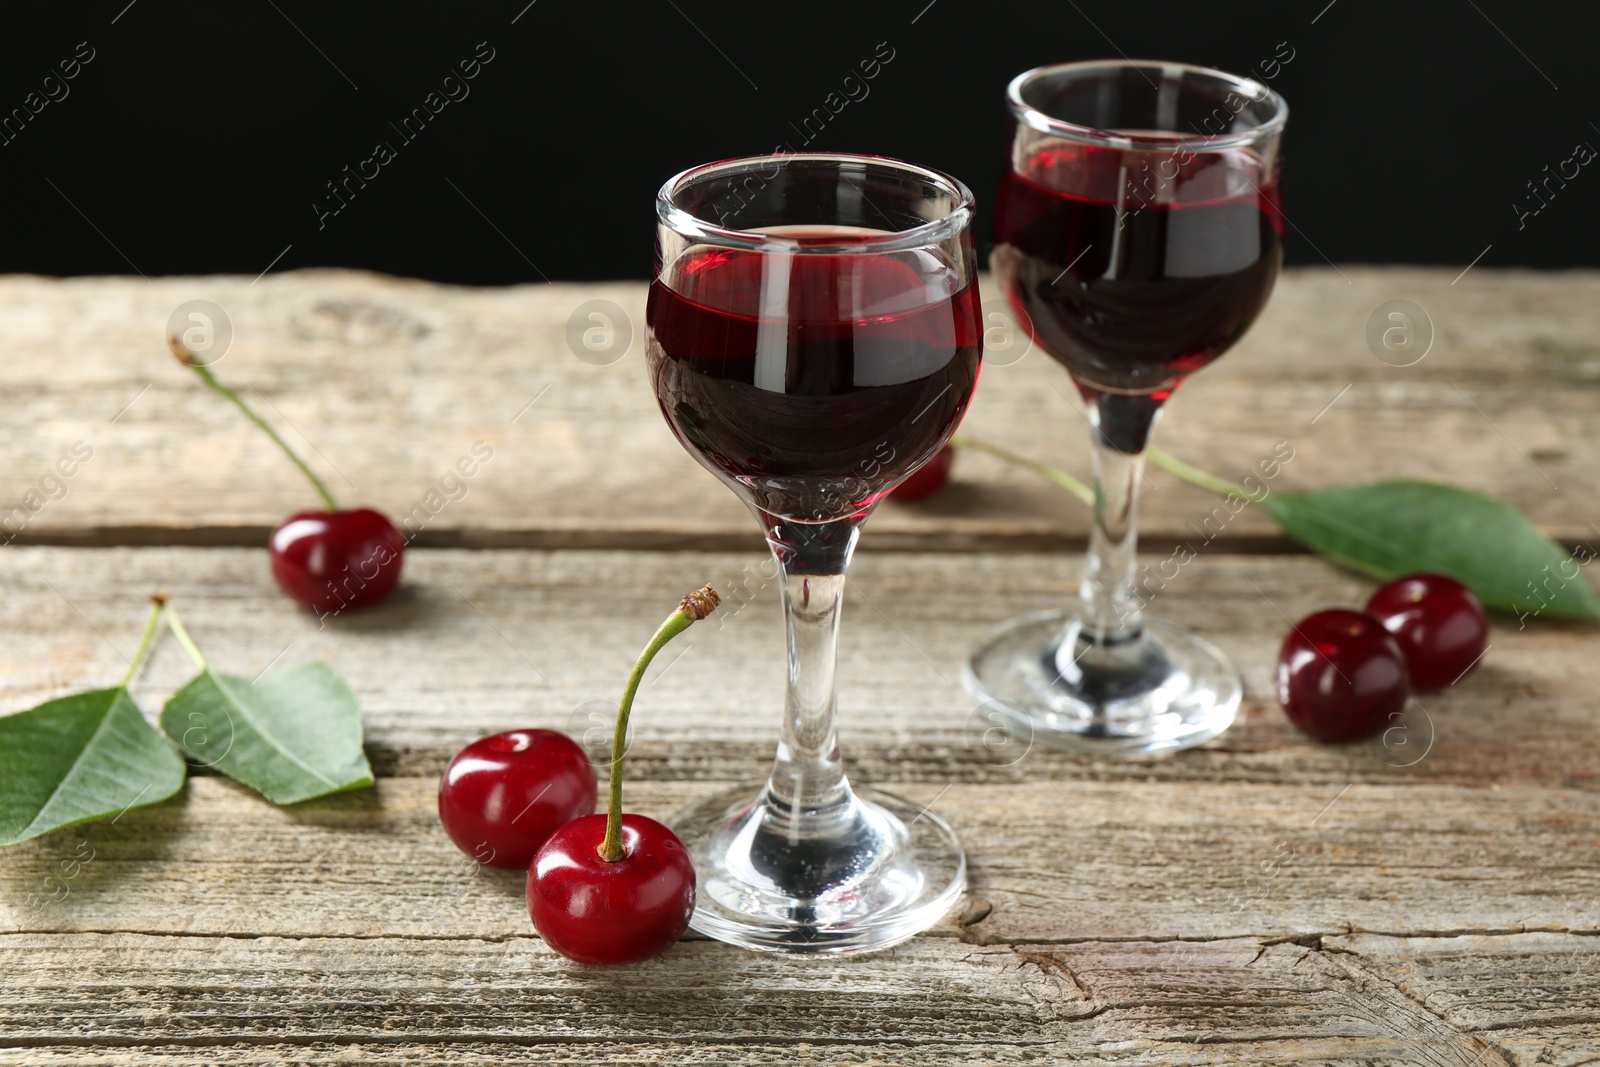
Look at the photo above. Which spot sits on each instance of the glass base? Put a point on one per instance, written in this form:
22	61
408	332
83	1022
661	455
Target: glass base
868	875
1166	691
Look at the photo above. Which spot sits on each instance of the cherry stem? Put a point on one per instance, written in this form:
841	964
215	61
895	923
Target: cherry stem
175	624
157	602
696	605
1165	460
1059	477
211	379
1195	476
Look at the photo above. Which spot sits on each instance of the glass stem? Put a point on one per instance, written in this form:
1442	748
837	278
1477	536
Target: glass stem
1120	429
808	779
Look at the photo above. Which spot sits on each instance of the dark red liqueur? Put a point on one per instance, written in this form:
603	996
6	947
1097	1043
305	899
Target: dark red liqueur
1135	269
813	383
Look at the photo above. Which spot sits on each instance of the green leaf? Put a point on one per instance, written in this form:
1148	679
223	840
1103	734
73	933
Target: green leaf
77	758
1387	529
290	735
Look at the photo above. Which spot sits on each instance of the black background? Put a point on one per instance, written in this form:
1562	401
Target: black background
199	136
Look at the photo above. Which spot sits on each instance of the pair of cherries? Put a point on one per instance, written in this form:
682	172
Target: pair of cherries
1345	675
525	800
602	888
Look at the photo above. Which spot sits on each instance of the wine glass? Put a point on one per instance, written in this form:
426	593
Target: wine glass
1137	235
814	338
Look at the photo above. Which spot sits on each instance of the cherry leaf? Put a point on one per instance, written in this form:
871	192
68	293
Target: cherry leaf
1386	529
289	735
77	758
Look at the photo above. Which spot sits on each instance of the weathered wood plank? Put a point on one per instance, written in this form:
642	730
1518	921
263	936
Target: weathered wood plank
1432	898
1333	1052
1320	1052
1051	861
1120	1002
478	642
393	381
1475	983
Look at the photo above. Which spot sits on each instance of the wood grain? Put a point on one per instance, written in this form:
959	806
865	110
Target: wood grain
1430	897
1051	861
273	999
1285	902
477	642
1138	923
386	384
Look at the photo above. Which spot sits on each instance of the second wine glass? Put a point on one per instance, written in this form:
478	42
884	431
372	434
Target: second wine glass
814	338
1137	235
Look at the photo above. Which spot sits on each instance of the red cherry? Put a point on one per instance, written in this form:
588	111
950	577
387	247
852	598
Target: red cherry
331	561
1341	676
1439	623
599	912
328	561
928	479
503	796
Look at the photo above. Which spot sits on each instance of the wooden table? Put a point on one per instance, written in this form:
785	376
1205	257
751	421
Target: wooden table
1432	898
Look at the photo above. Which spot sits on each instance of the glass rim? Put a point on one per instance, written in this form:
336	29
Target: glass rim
1038	120
933	231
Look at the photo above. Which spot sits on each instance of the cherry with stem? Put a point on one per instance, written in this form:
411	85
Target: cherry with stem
615	888
330	560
